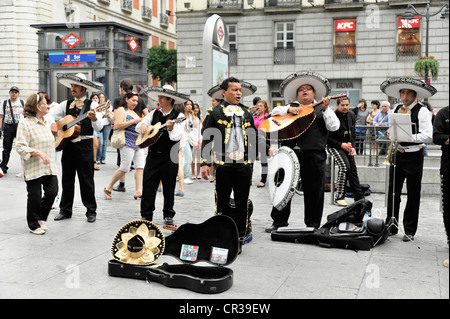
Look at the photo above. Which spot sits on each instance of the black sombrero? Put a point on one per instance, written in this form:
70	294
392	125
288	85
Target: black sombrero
79	79
167	90
139	242
290	85
392	87
247	90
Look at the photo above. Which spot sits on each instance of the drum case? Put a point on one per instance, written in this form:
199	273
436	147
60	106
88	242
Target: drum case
214	241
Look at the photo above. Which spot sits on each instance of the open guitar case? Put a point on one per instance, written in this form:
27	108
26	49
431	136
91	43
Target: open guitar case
214	241
343	229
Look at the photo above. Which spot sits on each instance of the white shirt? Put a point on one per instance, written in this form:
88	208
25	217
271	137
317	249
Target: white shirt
425	127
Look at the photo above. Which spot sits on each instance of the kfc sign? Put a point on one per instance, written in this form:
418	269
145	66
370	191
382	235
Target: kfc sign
409	24
344	25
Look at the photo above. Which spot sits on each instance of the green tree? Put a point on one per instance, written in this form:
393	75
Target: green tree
162	64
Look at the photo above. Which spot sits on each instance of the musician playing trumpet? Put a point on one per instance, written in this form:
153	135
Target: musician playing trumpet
409	157
304	88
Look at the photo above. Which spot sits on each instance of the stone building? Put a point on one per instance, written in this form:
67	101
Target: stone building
105	39
356	44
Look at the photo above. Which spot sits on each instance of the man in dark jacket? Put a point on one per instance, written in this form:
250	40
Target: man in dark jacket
340	146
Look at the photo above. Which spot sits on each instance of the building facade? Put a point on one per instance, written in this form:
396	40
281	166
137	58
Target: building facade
106	39
356	44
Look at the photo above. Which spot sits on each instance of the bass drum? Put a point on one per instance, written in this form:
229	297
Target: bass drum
283	175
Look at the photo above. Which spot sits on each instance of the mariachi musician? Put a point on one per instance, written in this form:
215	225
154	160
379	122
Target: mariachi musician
77	155
304	88
162	159
408	157
230	128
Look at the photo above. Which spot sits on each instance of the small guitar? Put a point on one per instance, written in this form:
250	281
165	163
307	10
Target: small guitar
289	126
153	134
68	128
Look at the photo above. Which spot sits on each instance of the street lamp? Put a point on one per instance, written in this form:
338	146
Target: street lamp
409	14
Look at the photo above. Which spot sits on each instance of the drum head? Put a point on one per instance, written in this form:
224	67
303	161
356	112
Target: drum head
283	175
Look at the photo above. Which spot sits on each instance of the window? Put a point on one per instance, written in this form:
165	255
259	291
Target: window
232	38
284	52
408	39
344	40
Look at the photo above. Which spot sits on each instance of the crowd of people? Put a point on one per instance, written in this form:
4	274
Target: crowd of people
221	146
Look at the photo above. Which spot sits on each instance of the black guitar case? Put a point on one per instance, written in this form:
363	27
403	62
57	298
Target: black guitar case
214	241
343	229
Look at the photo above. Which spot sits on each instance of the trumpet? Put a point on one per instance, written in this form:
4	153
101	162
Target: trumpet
387	162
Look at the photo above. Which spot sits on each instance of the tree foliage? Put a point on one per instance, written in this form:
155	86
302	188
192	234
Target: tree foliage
162	64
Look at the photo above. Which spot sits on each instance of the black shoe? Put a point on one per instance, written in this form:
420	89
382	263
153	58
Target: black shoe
271	229
407	238
119	188
91	218
61	216
168	221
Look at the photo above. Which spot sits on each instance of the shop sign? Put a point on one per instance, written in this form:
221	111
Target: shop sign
409	23
72	40
133	44
344	25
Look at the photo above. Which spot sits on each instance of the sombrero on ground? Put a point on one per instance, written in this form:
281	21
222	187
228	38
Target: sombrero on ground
79	79
139	242
290	85
247	90
392	87
167	90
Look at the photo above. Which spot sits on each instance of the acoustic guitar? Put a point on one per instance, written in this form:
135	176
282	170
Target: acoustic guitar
68	128
290	126
153	134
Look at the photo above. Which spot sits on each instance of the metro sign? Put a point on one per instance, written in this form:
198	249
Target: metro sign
344	25
133	44
71	40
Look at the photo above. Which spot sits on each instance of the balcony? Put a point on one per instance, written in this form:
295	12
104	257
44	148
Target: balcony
225	6
278	6
408	51
146	13
403	3
284	56
343	4
344	53
127	5
164	20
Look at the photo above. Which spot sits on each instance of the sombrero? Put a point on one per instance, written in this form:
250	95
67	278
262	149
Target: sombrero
392	87
139	242
79	79
290	85
167	90
247	90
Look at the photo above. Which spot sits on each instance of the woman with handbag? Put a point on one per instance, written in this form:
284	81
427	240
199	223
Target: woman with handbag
125	119
190	138
197	149
262	113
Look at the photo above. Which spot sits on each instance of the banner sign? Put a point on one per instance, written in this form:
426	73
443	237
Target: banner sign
72	56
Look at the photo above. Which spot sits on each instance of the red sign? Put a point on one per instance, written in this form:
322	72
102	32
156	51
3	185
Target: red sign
344	25
72	40
409	24
133	44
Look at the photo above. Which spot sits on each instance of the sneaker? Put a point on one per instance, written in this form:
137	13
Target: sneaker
1	173
188	181
119	188
38	231
341	202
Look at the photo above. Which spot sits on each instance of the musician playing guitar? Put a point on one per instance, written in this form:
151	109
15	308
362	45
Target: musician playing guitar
162	159
76	157
305	88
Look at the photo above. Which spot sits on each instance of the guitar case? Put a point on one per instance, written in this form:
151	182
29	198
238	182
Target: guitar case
343	229
215	241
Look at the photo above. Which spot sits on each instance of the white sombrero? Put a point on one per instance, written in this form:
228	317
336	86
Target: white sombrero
167	90
247	90
392	87
79	79
290	85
